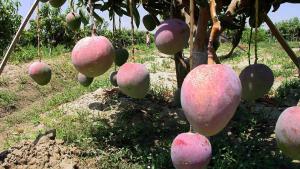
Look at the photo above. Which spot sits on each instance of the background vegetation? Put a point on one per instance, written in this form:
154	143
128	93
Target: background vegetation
9	22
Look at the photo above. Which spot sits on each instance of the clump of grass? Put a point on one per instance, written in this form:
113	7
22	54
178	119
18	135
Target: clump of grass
166	64
144	53
117	158
160	93
144	58
4	80
71	128
288	94
7	98
154	68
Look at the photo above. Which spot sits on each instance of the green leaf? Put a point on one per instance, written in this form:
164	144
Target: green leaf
105	6
84	15
120	11
98	18
135	12
98	6
136	16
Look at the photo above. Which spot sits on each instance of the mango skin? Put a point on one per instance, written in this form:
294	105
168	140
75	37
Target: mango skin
172	36
256	80
287	132
57	3
134	80
73	21
191	151
149	22
40	72
113	78
84	80
121	57
93	56
210	95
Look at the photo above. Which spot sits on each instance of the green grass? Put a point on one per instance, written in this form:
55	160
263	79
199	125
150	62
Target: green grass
32	114
70	93
237	56
270	54
166	64
4	81
160	93
28	53
62	88
294	44
72	129
288	93
7	98
144	53
246	143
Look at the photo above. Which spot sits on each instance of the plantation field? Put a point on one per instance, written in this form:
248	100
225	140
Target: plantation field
99	127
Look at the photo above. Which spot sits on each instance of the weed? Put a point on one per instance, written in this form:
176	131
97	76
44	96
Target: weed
160	93
23	79
288	94
166	64
7	98
4	80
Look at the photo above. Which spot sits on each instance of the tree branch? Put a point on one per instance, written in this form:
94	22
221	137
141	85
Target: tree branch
215	31
200	43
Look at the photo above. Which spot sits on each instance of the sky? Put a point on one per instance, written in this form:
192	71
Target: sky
285	12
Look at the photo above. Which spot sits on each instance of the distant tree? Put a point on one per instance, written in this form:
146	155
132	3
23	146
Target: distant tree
9	22
262	35
290	29
54	30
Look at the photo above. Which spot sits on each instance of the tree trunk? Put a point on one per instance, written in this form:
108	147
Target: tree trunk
182	68
199	55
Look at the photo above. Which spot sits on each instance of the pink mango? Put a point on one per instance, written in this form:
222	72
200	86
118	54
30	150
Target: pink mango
210	95
172	36
73	21
93	56
134	80
287	132
40	72
191	151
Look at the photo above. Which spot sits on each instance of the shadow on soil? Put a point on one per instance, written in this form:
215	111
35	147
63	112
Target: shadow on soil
146	129
143	127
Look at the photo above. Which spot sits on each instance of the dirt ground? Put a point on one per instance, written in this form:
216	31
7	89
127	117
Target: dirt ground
44	152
